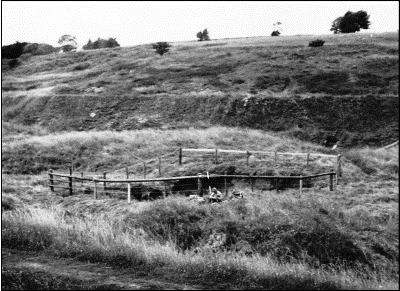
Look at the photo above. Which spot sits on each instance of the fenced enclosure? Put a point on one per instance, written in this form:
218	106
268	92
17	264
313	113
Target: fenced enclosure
144	189
121	183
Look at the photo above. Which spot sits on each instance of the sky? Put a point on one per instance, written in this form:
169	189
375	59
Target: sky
141	22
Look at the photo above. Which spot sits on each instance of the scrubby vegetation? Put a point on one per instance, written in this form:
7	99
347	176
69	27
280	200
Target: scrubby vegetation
101	43
316	43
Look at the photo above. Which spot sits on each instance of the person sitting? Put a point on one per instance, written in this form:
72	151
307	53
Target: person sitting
215	196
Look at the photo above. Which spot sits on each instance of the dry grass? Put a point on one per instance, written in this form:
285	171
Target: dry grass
101	238
109	150
362	212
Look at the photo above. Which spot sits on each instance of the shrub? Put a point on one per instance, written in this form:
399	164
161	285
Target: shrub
203	35
317	42
275	33
13	51
161	47
101	43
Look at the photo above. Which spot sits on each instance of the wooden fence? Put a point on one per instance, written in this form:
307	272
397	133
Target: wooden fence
96	183
275	155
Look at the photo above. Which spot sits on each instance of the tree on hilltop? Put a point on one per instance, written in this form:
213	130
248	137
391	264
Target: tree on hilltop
277	29
67	42
203	35
351	22
101	43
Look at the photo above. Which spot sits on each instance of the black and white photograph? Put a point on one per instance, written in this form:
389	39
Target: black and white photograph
199	145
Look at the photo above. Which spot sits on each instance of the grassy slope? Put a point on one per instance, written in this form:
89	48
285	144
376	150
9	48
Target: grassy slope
239	82
291	235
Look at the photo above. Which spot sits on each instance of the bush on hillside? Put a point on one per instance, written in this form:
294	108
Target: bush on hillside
161	47
101	43
39	49
316	43
275	33
13	51
203	35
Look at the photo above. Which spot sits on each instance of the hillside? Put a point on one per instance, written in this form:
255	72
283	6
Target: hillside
267	83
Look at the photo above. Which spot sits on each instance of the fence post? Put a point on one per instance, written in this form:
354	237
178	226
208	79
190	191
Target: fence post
104	183
159	166
330	182
308	159
81	180
301	185
95	189
144	170
180	156
129	193
127	172
70	181
216	156
51	180
226	188
276	158
247	157
199	185
339	165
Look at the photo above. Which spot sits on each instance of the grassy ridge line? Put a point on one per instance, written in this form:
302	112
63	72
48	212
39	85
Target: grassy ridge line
108	150
106	241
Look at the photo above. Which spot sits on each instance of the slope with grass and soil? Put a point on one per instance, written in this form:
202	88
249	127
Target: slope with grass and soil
342	239
267	94
348	86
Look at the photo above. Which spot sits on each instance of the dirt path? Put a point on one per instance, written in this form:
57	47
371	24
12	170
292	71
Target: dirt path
91	275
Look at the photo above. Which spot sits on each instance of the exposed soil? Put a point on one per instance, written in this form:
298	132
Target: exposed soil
364	120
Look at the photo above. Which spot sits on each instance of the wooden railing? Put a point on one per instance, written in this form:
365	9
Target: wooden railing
200	178
274	154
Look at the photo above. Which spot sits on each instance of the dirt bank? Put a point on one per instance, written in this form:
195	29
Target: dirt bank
363	120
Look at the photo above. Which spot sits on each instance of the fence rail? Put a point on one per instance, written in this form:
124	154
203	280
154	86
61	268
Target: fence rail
275	154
